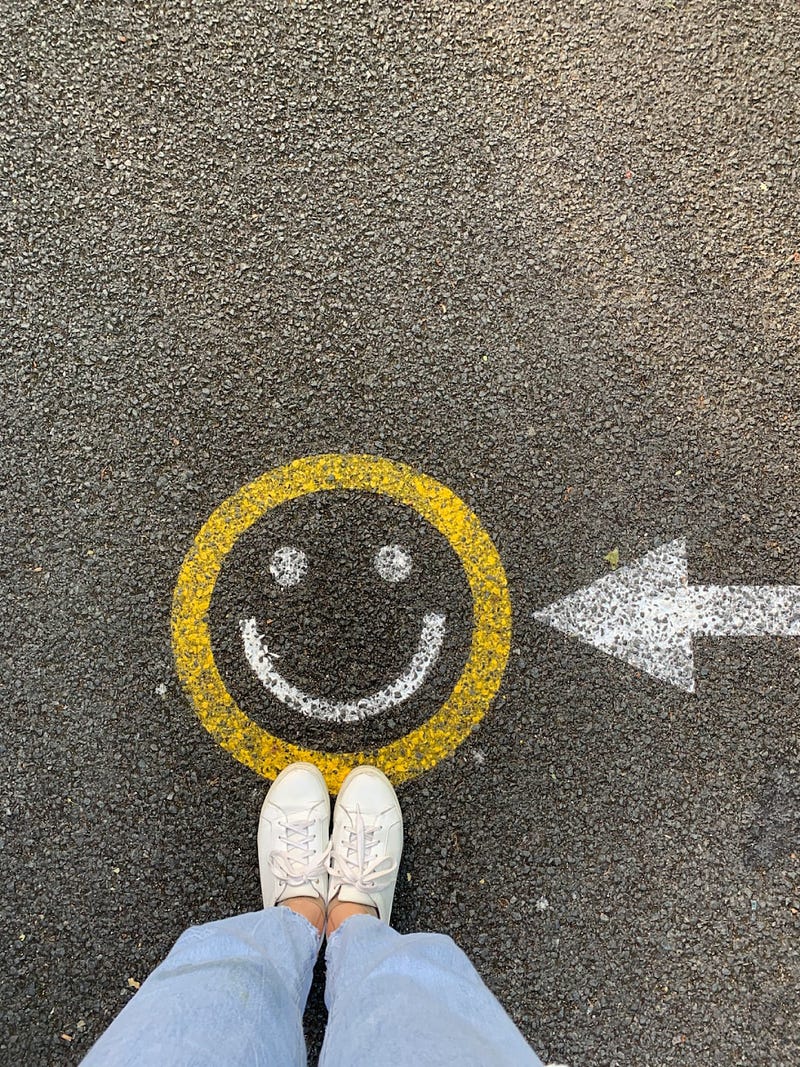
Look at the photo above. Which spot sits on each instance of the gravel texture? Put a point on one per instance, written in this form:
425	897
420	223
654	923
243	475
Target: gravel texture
546	252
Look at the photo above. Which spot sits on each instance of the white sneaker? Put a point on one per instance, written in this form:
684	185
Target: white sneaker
367	842
293	836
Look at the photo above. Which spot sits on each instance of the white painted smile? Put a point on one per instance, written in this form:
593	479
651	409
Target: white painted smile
404	686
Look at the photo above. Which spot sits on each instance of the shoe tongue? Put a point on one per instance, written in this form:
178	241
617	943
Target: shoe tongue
314	888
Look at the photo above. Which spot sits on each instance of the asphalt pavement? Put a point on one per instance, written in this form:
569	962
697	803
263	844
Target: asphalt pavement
547	254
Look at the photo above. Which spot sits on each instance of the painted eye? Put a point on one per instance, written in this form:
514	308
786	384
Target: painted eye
288	565
392	563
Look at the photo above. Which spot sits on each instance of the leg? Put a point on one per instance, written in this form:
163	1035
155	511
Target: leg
413	999
233	992
229	992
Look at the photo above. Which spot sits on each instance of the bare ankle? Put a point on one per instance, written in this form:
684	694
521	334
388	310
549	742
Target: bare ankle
311	908
339	910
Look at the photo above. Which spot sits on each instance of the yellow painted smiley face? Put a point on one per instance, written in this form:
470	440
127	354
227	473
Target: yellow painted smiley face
422	747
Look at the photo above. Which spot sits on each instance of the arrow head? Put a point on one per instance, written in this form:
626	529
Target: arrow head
637	614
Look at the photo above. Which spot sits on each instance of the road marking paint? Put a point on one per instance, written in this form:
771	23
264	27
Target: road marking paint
392	563
403	687
647	614
423	747
288	566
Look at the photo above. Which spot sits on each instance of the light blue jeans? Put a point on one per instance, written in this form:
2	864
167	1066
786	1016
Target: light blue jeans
232	993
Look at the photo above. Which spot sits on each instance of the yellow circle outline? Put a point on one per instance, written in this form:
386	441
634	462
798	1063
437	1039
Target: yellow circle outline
423	747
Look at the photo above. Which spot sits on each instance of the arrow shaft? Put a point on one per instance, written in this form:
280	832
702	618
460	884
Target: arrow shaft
743	610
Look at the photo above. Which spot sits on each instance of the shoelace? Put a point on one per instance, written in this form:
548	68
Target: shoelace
297	863
355	866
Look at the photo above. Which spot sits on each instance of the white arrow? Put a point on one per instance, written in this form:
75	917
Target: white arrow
647	613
